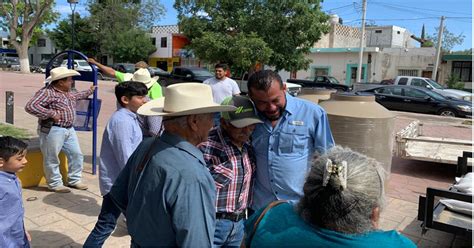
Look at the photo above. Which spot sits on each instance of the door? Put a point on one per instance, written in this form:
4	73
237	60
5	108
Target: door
418	101
426	74
351	73
389	97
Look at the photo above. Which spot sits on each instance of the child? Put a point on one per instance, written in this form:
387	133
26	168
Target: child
12	160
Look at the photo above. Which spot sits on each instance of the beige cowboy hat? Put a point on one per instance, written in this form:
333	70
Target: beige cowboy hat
141	75
184	99
62	72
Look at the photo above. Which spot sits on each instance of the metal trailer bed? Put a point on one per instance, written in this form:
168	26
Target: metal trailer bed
411	144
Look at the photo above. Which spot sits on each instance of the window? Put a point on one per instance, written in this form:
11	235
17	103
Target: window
378	31
153	41
397	91
321	71
403	81
414	93
319	79
164	42
404	72
418	82
398	32
41	43
463	70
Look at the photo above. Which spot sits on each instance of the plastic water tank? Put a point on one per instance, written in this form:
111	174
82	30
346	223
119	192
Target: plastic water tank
360	123
316	95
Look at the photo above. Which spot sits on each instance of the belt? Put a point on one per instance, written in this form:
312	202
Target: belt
63	126
235	217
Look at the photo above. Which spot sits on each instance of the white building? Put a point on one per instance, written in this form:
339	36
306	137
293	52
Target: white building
44	49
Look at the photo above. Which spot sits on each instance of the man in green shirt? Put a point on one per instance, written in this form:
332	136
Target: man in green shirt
141	75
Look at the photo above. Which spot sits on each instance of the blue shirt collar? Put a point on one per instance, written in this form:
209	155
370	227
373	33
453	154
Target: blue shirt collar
179	142
7	175
127	112
290	104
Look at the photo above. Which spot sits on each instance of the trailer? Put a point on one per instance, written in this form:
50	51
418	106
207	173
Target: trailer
411	144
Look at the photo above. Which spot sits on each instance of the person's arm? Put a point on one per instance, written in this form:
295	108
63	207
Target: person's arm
235	88
85	93
37	105
109	71
221	171
121	138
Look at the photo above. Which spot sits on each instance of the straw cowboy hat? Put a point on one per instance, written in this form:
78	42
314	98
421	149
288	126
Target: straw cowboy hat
141	75
62	72
184	99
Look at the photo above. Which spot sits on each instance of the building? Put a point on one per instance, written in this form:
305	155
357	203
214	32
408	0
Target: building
457	65
170	48
43	50
388	52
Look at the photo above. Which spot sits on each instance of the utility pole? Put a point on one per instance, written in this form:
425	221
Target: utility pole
438	48
362	41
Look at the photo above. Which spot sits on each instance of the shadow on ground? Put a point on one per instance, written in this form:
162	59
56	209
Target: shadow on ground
53	239
80	204
426	170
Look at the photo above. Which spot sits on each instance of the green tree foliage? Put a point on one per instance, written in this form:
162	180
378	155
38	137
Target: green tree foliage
245	32
453	82
84	39
24	19
450	40
120	28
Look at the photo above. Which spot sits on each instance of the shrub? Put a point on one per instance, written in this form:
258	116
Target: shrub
453	82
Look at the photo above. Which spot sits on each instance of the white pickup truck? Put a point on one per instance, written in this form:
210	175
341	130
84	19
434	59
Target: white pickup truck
433	85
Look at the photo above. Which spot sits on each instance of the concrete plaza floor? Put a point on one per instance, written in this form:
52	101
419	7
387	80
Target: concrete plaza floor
65	220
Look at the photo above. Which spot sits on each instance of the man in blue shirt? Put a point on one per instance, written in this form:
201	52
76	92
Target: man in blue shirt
165	189
293	131
121	137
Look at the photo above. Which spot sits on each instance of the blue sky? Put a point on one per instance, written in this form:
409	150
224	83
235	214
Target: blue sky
409	14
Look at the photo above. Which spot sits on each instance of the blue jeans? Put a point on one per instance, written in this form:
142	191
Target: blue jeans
228	233
105	225
51	144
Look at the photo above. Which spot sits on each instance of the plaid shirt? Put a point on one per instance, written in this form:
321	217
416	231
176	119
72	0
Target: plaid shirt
49	101
231	169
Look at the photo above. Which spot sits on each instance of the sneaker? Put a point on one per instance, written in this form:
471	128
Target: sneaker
80	186
60	189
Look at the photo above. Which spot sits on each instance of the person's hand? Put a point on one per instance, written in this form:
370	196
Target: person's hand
93	87
92	61
28	236
56	118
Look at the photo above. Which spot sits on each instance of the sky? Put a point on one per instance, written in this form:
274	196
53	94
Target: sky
409	14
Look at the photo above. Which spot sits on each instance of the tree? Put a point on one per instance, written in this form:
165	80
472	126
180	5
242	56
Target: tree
84	38
23	19
450	40
119	28
243	33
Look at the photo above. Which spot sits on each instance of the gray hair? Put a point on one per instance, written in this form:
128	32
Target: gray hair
178	120
349	209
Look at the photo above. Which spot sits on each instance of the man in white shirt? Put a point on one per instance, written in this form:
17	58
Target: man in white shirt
222	87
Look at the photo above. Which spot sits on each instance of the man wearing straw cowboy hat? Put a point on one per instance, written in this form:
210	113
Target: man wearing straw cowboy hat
55	107
165	189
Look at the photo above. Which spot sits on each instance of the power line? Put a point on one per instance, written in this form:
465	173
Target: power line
411	7
341	7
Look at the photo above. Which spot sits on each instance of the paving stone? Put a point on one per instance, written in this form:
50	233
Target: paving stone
387	225
410	227
428	243
47	218
440	237
81	214
29	224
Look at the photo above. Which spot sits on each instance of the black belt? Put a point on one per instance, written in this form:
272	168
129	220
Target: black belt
235	217
63	126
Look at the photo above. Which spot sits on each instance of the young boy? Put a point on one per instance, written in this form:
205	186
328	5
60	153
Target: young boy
12	160
121	137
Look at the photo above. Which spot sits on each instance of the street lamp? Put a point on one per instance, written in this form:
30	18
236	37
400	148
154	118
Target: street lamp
72	4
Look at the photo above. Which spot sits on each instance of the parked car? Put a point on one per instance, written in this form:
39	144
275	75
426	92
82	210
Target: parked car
291	88
327	82
434	86
155	71
124	67
79	65
182	74
420	100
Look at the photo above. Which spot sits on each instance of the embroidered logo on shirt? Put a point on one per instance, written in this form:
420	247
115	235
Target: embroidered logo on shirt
297	123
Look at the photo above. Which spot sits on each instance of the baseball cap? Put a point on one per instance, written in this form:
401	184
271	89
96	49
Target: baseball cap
244	115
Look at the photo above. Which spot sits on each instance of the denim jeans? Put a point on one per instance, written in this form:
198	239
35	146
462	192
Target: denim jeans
105	225
228	233
51	144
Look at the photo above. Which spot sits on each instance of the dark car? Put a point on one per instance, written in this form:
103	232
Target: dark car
327	82
124	67
155	71
182	74
420	100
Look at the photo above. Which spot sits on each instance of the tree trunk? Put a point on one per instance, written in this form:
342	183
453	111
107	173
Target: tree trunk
23	56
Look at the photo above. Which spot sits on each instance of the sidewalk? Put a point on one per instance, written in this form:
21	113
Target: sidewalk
65	220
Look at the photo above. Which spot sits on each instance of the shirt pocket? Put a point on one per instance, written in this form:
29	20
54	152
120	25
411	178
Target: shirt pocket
223	174
293	139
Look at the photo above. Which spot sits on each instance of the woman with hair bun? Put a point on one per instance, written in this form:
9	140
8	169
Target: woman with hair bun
343	198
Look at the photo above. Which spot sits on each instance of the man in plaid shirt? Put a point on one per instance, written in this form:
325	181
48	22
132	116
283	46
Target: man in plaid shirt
230	158
55	107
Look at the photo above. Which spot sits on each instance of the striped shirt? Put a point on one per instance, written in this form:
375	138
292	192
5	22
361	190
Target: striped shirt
232	170
50	101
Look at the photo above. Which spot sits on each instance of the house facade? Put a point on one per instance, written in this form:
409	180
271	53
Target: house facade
457	65
43	50
388	52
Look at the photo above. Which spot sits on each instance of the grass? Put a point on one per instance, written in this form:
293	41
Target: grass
10	130
466	122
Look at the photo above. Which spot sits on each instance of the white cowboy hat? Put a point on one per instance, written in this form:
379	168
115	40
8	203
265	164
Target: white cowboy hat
62	72
141	75
184	99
